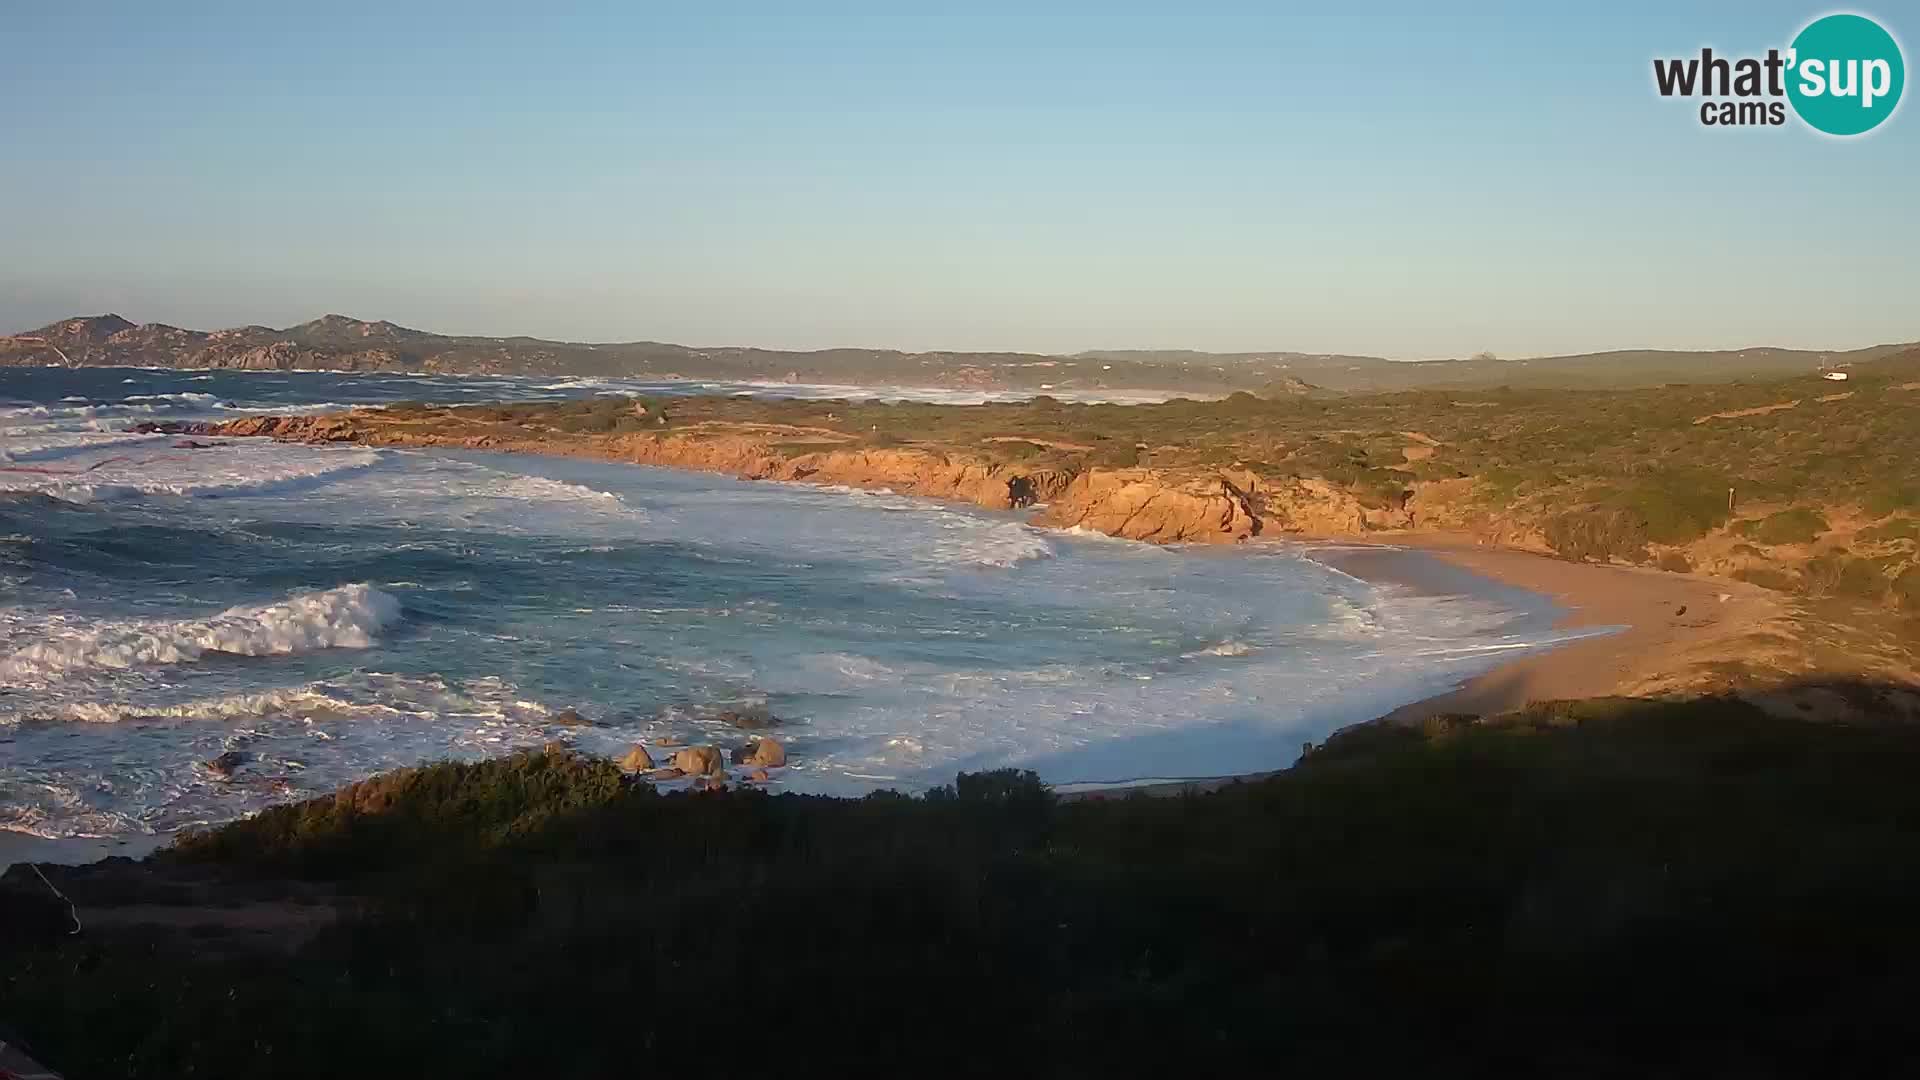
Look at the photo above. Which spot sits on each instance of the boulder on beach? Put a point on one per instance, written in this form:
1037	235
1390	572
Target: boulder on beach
636	760
700	761
766	753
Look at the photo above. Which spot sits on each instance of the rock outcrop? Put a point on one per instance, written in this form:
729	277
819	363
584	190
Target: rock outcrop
1315	507
1160	506
762	753
753	718
1145	504
636	760
910	471
700	761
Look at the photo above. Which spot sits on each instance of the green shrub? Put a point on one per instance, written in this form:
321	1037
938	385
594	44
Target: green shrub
448	808
1890	497
1799	525
1675	562
1114	455
1906	588
1500	483
1598	535
1516	893
1902	528
1839	574
1675	505
1432	469
999	787
1765	578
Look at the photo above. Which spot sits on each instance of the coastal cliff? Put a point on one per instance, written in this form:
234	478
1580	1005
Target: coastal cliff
1154	505
1782	485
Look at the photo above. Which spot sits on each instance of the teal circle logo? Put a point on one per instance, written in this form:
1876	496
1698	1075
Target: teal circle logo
1845	74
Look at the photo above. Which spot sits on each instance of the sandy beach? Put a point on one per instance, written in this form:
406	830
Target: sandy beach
1659	628
1668	624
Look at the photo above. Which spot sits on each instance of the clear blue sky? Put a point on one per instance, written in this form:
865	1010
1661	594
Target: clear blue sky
1386	180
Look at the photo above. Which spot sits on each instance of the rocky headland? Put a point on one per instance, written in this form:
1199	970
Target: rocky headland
1157	505
1819	583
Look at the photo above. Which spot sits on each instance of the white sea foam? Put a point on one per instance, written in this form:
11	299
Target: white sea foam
231	707
1230	647
361	696
542	489
1001	544
71	412
99	469
56	441
188	397
900	640
345	617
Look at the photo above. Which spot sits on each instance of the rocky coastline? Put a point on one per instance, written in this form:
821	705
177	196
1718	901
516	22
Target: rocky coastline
1717	631
1154	505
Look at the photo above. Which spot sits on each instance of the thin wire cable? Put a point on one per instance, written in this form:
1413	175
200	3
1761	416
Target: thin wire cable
72	911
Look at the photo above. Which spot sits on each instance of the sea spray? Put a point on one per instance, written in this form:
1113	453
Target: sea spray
345	617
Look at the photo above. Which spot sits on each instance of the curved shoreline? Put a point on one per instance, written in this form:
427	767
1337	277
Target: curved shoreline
1670	628
1651	647
1638	657
1158	505
1663	619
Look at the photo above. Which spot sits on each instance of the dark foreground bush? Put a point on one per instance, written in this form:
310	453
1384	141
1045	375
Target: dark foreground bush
1605	888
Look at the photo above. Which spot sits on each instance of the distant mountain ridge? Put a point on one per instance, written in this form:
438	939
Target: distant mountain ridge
343	343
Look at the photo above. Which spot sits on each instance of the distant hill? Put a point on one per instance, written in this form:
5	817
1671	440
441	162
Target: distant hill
1617	369
337	342
342	343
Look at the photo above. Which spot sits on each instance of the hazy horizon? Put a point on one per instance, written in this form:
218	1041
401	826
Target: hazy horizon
858	346
1397	183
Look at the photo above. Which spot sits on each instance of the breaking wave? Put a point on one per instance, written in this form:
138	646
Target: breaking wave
1002	545
361	695
345	617
160	470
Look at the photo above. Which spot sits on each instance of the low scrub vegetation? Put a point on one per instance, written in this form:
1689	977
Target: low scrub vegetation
1603	475
1799	525
1900	528
1593	888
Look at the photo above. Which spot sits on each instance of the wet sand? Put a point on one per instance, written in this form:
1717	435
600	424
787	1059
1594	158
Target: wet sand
1668	624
